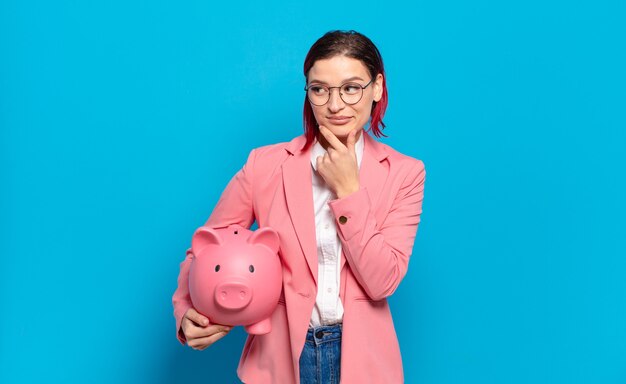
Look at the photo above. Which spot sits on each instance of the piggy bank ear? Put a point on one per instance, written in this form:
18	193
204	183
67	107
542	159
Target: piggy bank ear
265	236
202	237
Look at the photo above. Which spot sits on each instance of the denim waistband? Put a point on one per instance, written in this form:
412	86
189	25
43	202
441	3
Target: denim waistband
324	334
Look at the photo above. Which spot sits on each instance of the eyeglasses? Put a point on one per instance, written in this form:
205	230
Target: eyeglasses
350	93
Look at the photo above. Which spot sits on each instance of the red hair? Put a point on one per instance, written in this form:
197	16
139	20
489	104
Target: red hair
354	45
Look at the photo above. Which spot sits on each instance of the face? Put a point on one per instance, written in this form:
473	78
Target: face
336	115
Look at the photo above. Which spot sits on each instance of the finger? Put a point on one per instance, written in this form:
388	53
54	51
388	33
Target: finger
331	138
319	160
333	155
202	343
194	332
330	156
351	140
197	318
209	339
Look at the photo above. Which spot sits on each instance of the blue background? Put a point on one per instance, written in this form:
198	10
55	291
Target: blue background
122	121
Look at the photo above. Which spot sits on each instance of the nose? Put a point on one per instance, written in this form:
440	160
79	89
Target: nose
335	103
233	295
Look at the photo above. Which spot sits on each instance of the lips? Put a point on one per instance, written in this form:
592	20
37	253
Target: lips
339	120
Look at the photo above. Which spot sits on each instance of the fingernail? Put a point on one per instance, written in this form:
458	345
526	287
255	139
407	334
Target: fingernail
205	322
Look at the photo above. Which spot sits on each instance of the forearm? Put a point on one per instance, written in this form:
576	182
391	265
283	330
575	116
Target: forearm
181	299
378	254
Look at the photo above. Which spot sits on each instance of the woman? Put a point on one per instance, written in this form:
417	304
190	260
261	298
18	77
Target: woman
346	209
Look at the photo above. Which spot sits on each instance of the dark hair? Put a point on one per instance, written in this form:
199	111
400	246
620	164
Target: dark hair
354	45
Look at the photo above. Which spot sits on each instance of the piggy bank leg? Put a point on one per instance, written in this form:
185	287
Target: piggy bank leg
261	328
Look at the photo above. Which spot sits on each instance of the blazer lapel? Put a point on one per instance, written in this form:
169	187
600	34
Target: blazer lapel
297	183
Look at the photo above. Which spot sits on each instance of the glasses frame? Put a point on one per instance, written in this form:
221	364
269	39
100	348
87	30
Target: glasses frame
306	89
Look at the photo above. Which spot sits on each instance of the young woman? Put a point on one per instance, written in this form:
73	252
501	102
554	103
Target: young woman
346	208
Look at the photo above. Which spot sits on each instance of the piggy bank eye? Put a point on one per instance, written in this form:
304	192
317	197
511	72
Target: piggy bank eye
217	268
251	268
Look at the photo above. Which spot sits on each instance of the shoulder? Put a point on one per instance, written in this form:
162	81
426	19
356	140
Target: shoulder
397	161
402	159
408	171
274	154
271	150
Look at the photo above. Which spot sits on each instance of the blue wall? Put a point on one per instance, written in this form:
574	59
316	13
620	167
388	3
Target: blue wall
122	121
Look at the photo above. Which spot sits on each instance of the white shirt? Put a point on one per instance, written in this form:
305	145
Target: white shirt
328	308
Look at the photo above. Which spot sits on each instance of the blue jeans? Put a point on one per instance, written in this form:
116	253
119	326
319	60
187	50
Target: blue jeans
320	361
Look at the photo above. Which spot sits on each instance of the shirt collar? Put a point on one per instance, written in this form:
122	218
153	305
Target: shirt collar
318	150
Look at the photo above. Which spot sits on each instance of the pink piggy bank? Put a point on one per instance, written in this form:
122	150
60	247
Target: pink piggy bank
235	276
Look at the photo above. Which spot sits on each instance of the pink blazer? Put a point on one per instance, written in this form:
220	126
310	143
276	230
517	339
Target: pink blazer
274	188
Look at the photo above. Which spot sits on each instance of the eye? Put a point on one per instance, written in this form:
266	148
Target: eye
318	89
217	268
351	88
251	268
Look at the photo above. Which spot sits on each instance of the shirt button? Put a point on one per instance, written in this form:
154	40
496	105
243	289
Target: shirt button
326	226
343	219
329	290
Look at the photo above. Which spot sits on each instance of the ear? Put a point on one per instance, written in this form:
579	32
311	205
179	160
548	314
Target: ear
202	237
378	87
267	237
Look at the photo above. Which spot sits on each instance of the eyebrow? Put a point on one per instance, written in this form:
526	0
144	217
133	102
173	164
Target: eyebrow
343	82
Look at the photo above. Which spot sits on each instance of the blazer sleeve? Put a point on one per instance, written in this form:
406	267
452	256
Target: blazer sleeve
235	206
379	254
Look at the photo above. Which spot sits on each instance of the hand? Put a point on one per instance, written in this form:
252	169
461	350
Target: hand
199	332
338	167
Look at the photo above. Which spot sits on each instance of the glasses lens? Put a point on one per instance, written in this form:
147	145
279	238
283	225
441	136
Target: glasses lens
318	94
351	93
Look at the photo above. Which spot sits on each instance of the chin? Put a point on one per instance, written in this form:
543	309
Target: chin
340	130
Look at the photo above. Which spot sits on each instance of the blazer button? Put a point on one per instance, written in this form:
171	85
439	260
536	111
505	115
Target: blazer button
343	219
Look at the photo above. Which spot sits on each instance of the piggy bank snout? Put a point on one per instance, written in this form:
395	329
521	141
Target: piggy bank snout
233	295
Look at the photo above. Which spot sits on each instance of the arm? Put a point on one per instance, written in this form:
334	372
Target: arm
379	254
234	207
